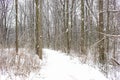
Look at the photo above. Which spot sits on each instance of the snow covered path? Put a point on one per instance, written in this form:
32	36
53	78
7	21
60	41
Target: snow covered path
57	66
54	66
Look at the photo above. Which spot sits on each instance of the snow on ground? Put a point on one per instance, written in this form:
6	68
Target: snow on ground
58	66
17	66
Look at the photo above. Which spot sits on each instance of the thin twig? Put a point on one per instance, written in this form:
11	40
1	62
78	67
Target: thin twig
115	61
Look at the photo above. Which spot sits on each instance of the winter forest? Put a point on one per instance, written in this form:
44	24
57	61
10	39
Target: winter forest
59	39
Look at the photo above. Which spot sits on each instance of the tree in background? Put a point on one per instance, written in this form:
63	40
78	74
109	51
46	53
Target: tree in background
101	46
108	27
82	31
4	5
16	28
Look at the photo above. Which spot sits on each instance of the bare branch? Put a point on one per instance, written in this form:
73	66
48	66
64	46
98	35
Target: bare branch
115	61
109	35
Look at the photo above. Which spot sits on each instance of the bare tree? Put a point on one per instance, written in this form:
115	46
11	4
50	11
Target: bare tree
38	29
100	36
82	42
4	5
16	8
107	28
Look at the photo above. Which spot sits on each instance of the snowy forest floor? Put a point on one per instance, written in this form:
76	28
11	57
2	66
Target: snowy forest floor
54	66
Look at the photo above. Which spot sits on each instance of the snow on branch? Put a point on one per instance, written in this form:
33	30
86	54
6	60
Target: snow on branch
113	11
109	35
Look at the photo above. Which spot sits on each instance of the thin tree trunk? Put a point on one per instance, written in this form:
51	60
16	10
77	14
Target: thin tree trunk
101	29
82	42
107	29
107	38
114	43
67	26
16	7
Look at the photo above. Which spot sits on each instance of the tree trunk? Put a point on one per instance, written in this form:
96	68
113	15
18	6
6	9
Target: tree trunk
16	8
107	28
38	29
67	26
82	42
101	30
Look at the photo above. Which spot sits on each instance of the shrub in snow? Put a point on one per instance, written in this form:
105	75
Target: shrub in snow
20	64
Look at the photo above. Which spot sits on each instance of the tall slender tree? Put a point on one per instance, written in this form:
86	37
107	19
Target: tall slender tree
67	27
114	25
107	28
82	42
100	36
16	8
38	29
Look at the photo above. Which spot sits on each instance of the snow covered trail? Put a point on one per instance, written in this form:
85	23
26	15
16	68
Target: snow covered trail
58	66
54	66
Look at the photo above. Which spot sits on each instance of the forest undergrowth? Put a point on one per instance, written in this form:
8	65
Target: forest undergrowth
19	64
25	62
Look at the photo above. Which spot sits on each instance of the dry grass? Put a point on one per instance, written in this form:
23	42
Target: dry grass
20	64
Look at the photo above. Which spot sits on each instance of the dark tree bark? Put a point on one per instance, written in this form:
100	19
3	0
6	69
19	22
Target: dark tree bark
16	8
82	39
107	28
38	29
100	36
